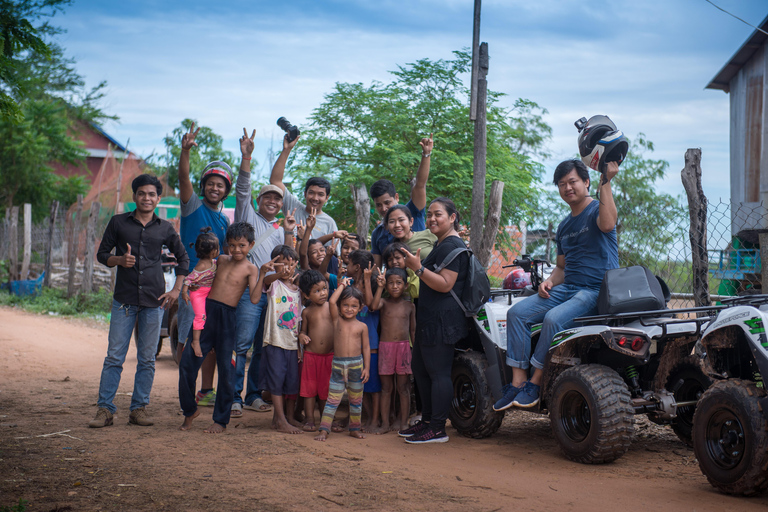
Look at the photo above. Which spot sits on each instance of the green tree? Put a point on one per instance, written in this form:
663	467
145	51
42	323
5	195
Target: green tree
209	148
18	36
54	105
361	133
650	222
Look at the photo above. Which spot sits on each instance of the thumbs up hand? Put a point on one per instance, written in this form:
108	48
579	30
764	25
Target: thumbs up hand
129	260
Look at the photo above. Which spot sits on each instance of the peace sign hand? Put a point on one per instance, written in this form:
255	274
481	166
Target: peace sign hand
427	144
246	143
368	272
289	222
381	280
188	139
311	221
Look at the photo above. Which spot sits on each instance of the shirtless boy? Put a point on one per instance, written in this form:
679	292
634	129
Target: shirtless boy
398	325
317	339
233	274
351	359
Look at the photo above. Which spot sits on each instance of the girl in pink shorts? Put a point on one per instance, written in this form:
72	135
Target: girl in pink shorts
201	280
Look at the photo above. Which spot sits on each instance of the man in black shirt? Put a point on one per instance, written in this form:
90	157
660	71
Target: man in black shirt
138	238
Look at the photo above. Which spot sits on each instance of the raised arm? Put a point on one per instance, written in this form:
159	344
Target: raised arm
333	301
244	211
304	245
367	274
185	184
278	170
256	280
419	191
381	281
607	215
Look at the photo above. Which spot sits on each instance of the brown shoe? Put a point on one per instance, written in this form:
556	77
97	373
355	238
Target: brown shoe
103	419
139	417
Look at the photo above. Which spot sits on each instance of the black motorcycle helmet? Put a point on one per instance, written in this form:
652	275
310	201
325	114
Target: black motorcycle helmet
600	142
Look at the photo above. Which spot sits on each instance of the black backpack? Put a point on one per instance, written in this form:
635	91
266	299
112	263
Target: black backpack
477	287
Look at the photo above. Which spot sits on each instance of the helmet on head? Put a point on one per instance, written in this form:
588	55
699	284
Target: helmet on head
600	142
220	169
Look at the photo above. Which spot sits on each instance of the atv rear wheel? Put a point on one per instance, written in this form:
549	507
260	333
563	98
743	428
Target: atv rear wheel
472	411
730	437
687	382
592	415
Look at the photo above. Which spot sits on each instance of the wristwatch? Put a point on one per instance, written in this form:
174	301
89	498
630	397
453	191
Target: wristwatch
420	271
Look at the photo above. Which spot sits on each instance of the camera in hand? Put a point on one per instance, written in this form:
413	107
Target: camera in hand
290	129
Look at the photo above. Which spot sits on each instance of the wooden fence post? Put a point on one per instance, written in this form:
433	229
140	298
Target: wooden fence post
90	247
697	207
13	235
49	244
27	241
73	247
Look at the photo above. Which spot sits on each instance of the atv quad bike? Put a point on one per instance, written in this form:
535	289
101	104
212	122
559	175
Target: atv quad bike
730	426
596	376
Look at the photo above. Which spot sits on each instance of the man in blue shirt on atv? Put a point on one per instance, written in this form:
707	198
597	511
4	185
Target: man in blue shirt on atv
586	248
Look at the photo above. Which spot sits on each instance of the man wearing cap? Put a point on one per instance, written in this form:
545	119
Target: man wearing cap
250	318
196	214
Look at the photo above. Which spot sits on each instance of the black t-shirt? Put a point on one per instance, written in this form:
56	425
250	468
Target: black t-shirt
440	318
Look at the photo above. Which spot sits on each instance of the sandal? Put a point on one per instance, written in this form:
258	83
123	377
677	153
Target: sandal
237	410
258	405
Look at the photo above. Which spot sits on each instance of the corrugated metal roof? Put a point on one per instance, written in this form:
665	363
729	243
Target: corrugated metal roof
723	78
108	136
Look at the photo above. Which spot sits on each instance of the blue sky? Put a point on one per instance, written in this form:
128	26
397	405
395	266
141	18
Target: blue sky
244	64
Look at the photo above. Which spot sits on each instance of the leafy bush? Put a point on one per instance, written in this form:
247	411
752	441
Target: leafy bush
52	300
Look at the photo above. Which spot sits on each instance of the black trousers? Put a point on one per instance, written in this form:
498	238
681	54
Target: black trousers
431	367
218	334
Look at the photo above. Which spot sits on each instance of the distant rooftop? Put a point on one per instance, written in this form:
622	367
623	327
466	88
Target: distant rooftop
722	80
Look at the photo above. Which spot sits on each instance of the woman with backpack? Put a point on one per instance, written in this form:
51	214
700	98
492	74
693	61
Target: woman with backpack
440	321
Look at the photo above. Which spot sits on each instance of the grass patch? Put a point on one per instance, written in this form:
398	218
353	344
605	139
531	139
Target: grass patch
52	300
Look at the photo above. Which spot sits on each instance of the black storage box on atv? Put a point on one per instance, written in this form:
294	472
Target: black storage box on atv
631	289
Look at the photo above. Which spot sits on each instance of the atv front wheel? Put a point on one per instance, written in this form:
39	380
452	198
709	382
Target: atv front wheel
687	382
592	414
472	411
730	437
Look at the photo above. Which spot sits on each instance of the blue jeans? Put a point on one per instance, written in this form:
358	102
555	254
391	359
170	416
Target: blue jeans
184	316
556	313
250	325
121	325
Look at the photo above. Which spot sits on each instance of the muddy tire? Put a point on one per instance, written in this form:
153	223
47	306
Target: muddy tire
687	382
472	411
592	415
730	437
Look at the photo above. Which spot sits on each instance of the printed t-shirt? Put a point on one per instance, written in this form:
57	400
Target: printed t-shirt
281	325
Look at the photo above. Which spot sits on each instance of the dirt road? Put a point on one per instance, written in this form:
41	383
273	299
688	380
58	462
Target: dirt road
49	377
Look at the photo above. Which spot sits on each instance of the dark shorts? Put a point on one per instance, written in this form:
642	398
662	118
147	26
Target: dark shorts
279	371
374	382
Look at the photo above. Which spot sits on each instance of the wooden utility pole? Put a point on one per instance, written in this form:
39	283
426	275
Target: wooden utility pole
697	207
27	241
90	247
483	228
49	244
475	61
73	247
13	247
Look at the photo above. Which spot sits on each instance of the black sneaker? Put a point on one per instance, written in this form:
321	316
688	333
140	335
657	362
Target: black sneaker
418	428
429	436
